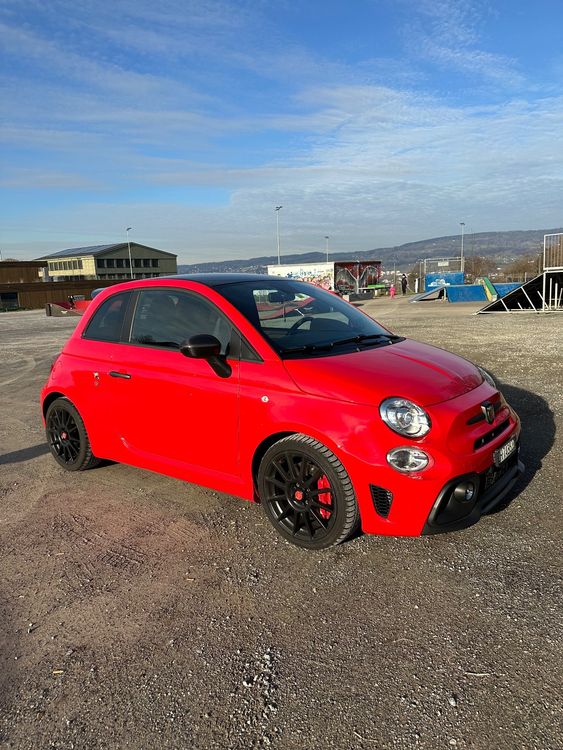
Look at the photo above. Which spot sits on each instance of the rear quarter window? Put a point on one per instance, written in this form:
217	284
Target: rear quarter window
107	322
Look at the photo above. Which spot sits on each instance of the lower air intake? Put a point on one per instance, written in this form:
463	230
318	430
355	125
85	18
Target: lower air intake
382	500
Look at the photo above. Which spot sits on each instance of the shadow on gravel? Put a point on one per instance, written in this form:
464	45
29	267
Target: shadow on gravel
537	438
25	454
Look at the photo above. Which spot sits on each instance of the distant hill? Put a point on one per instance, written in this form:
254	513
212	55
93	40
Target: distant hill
502	246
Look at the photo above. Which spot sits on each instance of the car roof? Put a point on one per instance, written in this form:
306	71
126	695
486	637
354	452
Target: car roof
207	279
217	279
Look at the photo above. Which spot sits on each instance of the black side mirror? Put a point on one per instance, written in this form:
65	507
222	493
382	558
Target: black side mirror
206	346
201	346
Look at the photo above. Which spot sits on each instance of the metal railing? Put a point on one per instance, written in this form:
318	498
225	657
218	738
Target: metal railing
553	252
552	289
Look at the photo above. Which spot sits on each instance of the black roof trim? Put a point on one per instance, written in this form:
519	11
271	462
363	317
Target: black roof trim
216	279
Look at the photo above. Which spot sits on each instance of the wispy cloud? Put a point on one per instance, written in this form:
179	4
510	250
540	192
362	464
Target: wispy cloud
448	34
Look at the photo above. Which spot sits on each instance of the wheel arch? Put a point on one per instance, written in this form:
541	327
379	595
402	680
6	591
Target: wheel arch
274	437
259	454
53	396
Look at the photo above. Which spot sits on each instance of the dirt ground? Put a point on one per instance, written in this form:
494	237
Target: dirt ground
140	612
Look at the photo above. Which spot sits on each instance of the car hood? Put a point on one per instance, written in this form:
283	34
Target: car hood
408	369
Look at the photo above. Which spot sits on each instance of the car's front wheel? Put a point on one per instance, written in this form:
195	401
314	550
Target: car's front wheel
67	437
306	493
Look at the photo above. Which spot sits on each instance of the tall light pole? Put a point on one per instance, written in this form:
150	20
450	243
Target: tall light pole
278	209
462	225
129	250
327	238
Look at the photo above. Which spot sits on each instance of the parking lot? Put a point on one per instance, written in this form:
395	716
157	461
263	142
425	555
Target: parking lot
137	611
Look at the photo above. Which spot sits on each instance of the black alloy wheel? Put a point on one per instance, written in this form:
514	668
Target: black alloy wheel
67	437
306	493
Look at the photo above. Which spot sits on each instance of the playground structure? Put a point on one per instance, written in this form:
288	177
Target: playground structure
544	293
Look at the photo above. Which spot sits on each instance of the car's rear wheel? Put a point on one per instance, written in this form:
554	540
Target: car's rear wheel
67	437
306	493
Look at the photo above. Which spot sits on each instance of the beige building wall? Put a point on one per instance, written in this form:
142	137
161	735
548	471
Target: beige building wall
81	265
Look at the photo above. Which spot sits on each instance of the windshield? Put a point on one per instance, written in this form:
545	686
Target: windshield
301	320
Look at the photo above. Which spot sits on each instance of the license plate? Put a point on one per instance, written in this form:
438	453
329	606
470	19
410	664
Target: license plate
506	450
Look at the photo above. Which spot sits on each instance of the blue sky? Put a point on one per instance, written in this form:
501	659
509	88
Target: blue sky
375	122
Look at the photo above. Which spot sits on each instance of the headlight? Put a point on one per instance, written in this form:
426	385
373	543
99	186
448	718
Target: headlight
408	459
488	377
404	417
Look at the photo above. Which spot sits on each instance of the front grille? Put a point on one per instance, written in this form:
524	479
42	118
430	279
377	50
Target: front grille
488	437
481	416
382	500
494	473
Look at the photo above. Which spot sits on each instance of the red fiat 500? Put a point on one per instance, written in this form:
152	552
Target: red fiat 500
278	391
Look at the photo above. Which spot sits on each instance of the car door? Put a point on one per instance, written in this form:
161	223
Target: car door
174	413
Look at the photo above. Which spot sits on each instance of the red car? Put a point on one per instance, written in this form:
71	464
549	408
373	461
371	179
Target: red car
280	392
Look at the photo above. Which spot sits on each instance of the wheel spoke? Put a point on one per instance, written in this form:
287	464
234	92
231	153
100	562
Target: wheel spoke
277	498
322	506
302	465
309	525
296	523
278	483
319	518
285	513
280	469
291	466
320	491
316	474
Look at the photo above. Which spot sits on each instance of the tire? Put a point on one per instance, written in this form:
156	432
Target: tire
306	493
67	437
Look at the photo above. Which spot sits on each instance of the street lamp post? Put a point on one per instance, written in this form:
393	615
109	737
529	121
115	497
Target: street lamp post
462	225
420	262
129	251
278	209
327	238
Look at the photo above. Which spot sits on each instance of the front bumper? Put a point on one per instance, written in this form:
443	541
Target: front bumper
492	486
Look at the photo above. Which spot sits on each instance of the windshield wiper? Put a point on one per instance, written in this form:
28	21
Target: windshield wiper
367	337
329	345
309	348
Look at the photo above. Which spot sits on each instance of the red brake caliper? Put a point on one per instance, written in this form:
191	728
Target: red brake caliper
324	497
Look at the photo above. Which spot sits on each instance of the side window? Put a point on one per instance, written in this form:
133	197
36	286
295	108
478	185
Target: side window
167	317
107	321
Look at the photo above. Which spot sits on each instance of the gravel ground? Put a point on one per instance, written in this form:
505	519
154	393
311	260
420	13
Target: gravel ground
137	611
